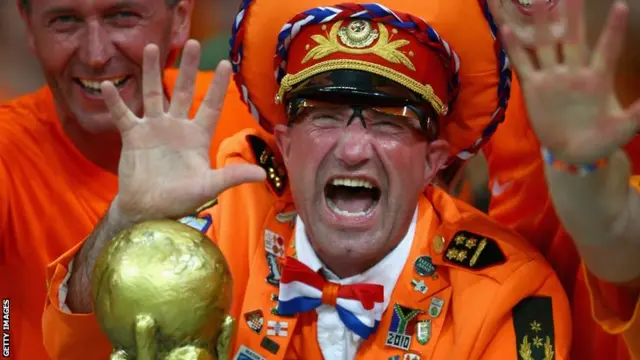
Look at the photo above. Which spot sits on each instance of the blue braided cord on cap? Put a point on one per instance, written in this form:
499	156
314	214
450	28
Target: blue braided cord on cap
504	86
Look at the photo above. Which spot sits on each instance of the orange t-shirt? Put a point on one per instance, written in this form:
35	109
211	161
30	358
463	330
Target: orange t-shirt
51	197
520	200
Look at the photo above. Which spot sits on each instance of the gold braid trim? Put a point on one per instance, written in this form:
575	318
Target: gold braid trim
425	90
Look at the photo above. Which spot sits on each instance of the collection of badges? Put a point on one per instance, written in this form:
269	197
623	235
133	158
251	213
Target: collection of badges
274	246
405	322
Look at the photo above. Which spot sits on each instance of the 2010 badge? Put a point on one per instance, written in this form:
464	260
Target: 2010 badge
402	327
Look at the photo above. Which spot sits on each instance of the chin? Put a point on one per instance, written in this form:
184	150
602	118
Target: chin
96	123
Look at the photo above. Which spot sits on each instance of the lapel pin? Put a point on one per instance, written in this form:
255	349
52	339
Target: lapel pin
255	320
423	266
419	286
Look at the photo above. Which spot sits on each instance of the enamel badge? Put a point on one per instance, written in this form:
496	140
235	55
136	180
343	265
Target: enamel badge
423	266
274	270
244	353
255	320
423	331
273	243
402	327
277	328
411	357
419	286
200	223
436	307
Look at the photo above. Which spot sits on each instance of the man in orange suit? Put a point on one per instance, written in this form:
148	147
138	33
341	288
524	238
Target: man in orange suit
59	148
597	201
366	107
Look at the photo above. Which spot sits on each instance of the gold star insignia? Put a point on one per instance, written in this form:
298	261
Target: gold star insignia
537	342
452	254
535	326
460	239
461	256
471	243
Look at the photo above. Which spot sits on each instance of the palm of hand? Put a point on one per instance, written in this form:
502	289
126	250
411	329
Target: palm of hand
164	169
573	115
569	95
170	156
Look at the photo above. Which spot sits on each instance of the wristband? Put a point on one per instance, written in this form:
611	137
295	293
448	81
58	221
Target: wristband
580	170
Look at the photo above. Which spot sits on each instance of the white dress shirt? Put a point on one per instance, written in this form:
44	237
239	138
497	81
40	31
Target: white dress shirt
335	340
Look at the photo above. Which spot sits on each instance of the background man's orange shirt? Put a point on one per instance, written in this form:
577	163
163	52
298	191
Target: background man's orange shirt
51	197
520	200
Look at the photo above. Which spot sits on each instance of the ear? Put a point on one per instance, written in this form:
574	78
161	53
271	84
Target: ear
181	23
436	158
24	14
283	140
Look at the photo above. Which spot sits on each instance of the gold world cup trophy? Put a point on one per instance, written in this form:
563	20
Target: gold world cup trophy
162	290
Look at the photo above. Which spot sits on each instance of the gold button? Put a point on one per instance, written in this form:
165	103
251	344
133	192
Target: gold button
438	244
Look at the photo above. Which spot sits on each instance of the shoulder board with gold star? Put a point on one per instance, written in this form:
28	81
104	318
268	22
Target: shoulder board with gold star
473	251
533	324
276	176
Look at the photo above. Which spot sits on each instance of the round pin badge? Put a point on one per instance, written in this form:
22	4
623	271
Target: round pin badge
424	266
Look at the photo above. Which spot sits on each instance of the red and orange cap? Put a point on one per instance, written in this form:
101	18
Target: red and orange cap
414	57
310	37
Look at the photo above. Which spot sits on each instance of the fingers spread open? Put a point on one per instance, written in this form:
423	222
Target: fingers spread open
609	47
545	44
211	107
123	117
184	88
222	179
517	54
152	91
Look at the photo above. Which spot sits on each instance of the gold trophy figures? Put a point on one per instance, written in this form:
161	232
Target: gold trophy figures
162	290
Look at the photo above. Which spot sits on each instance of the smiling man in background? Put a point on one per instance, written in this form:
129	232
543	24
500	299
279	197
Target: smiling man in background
59	147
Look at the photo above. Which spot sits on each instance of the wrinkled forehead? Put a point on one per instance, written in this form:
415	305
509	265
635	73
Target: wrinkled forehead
39	7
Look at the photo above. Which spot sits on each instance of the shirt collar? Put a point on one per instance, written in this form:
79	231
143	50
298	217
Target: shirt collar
385	273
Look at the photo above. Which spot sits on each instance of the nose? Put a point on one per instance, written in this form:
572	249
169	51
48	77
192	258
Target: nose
354	146
97	49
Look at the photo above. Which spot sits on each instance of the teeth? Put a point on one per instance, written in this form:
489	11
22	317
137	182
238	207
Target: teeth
529	2
95	85
353	183
339	211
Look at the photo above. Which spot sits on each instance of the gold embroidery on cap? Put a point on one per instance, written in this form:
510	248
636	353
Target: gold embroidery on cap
425	90
356	37
359	34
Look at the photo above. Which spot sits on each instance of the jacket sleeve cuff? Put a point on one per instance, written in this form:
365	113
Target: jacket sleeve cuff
615	308
67	335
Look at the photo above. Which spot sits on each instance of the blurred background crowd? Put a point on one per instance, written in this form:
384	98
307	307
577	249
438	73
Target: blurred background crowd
20	73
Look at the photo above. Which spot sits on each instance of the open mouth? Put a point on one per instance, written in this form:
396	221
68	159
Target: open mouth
352	197
525	6
93	86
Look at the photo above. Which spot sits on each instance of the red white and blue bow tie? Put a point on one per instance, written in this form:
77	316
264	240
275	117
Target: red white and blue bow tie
359	306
